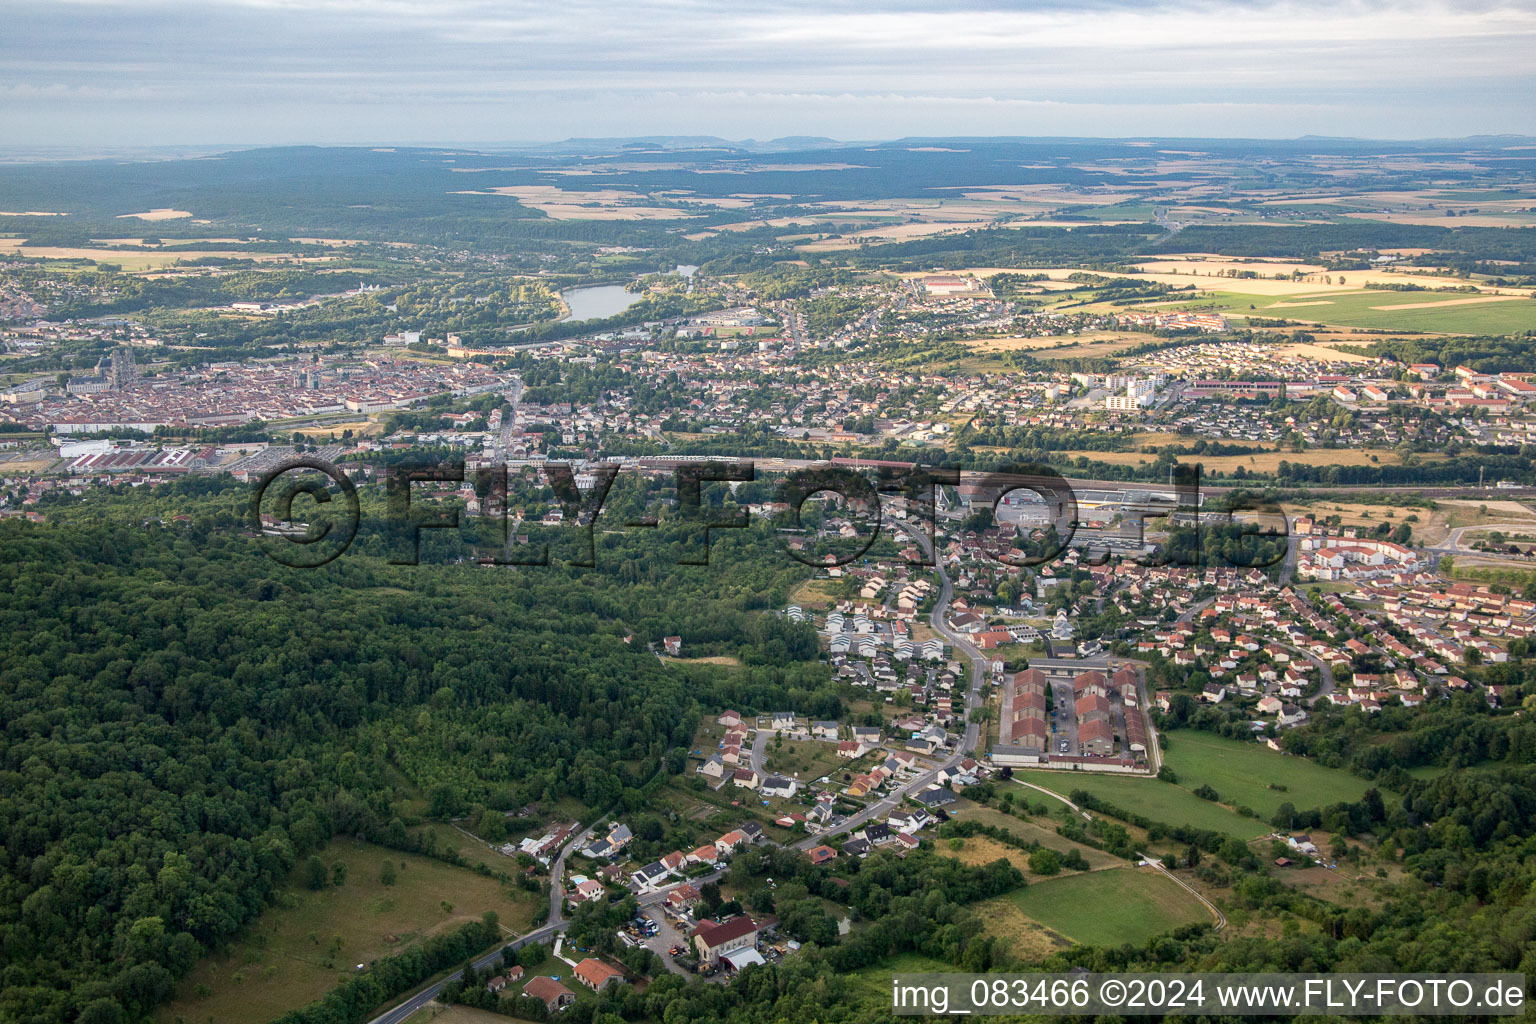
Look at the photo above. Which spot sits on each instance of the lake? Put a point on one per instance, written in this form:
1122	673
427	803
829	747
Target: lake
604	300
598	302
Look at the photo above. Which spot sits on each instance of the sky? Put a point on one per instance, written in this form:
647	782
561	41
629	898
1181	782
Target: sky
121	73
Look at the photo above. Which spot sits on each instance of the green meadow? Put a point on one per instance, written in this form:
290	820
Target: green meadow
1251	775
1107	908
1157	800
1483	314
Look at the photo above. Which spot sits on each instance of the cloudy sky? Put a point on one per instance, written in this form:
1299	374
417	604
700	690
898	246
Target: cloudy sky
160	72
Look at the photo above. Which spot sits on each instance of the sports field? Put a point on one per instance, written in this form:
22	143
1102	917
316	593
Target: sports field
1247	774
1107	908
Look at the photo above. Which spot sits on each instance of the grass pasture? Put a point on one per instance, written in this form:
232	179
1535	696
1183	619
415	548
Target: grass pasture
873	983
1158	800
1243	773
1107	908
304	945
803	759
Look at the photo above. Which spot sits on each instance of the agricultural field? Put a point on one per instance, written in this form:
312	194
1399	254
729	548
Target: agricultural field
1090	345
1158	800
1109	907
1247	774
301	947
1437	312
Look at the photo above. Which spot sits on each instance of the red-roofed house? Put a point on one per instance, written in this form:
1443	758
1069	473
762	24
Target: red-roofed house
550	992
597	975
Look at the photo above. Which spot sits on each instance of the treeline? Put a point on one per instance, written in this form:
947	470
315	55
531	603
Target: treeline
1485	355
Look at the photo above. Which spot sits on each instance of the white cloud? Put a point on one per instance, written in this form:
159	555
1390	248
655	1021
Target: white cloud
175	68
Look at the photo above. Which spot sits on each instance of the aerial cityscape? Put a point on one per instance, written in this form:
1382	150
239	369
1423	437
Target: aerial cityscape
823	555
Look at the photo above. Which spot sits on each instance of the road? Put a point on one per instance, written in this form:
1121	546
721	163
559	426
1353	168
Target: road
1292	553
403	1012
1195	609
1452	543
1326	682
760	739
1221	919
557	872
514	395
968	741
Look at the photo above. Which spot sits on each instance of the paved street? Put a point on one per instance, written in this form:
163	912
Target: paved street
968	741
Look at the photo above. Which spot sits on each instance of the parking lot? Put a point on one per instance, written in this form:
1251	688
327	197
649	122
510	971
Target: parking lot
1063	722
668	936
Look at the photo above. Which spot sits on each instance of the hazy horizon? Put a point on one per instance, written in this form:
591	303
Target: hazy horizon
165	73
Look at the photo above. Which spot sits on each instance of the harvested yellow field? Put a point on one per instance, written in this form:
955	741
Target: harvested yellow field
1468	220
1195	269
142	259
1217	265
164	213
1310	350
1096	343
893	233
599	204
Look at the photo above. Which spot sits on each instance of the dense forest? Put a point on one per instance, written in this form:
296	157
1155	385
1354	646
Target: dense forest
185	719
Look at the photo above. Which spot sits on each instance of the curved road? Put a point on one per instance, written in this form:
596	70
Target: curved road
1326	682
968	741
1221	919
